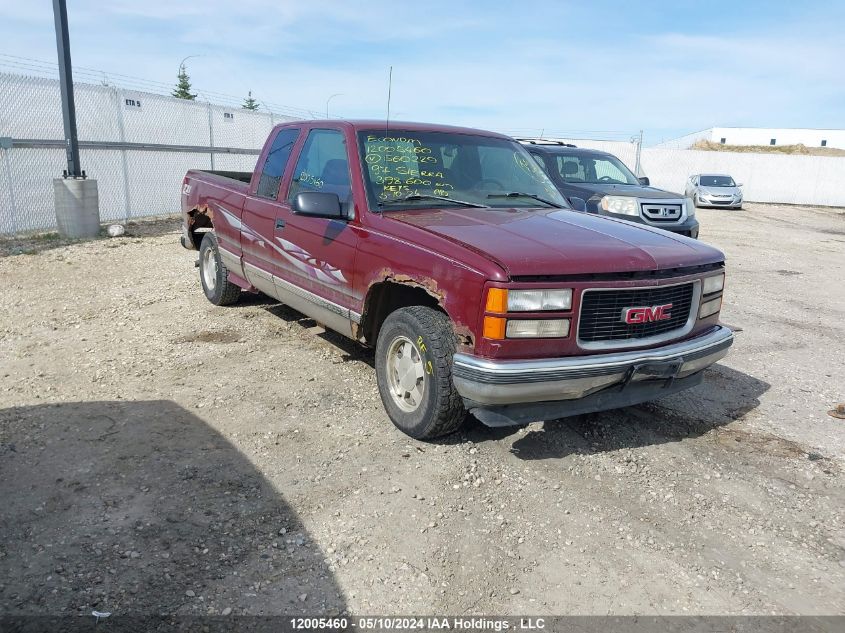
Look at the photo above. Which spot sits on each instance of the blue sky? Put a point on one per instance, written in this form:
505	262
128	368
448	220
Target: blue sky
520	67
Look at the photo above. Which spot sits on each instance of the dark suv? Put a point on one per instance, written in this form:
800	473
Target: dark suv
609	188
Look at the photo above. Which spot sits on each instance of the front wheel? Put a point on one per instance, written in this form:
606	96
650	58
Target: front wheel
214	275
414	372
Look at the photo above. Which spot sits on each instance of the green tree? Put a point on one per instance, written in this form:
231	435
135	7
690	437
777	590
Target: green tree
250	103
183	85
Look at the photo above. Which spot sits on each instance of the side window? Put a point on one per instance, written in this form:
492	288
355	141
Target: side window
323	166
610	172
571	169
274	165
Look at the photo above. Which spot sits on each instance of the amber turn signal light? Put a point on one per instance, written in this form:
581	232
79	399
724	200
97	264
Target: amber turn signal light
494	327
497	300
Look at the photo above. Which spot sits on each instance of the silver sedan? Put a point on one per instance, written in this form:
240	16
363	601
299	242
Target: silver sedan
714	190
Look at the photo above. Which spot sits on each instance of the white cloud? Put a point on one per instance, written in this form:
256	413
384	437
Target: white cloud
558	66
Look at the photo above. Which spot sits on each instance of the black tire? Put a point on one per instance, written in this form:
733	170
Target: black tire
440	409
223	292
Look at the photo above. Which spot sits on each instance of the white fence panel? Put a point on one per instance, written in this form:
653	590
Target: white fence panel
132	181
790	179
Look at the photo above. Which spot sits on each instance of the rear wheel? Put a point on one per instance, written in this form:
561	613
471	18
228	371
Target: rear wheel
414	372
214	275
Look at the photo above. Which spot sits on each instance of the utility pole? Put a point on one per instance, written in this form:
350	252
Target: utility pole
66	87
76	197
639	141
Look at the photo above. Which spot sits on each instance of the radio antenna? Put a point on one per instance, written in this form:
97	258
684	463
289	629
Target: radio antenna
389	87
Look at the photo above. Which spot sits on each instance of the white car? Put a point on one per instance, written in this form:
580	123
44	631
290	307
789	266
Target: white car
714	190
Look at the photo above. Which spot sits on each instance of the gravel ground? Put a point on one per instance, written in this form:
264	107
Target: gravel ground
162	455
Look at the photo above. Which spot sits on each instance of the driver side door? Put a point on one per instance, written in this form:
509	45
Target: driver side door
317	254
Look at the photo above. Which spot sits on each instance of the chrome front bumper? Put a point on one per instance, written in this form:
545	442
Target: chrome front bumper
708	201
482	382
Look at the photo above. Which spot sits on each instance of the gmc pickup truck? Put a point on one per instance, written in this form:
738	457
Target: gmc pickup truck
451	252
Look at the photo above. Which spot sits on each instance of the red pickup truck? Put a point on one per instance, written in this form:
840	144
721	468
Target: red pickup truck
451	252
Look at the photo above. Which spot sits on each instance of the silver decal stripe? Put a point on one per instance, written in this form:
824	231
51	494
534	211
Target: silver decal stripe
317	299
230	260
259	272
231	218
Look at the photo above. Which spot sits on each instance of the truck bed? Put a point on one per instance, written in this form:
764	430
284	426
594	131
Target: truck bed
240	176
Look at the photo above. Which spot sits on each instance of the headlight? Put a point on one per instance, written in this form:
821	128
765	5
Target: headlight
620	204
540	300
713	284
710	307
690	207
549	328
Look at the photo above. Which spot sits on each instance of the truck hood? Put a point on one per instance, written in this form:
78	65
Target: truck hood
560	241
633	191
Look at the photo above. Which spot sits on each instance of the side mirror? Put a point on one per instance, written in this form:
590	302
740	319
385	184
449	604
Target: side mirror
644	180
318	204
579	204
739	184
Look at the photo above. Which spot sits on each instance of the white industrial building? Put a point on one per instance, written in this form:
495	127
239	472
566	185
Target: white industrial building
810	137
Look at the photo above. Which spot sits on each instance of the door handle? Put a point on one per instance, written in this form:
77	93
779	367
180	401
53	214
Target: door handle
280	224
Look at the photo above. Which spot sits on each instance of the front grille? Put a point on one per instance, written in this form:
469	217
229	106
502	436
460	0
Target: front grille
602	312
662	212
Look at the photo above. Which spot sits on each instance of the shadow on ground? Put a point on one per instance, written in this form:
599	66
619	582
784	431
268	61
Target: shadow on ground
724	396
141	508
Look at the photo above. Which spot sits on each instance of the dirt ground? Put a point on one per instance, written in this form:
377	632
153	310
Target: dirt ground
159	454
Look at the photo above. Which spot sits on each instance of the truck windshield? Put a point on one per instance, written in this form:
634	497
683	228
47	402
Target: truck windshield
594	169
406	169
717	181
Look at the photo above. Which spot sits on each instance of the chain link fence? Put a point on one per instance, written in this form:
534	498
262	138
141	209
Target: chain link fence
138	145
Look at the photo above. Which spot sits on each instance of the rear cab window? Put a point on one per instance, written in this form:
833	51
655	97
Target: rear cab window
276	162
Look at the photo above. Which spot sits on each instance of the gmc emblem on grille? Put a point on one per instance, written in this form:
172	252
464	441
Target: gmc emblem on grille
646	314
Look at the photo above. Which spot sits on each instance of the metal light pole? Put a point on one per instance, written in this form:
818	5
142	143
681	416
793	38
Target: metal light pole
76	197
66	87
339	94
182	63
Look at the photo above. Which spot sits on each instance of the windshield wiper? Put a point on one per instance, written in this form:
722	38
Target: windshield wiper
426	196
520	194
